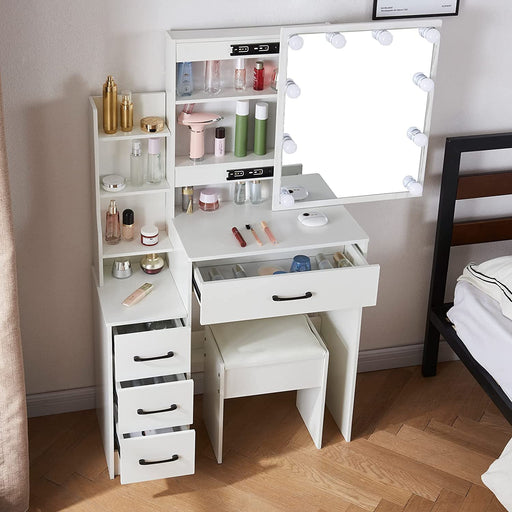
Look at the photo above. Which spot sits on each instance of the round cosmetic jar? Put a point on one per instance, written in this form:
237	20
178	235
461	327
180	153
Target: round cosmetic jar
113	183
152	124
152	263
149	235
121	268
208	200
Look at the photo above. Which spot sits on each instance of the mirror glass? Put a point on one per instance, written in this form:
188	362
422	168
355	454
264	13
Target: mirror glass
356	105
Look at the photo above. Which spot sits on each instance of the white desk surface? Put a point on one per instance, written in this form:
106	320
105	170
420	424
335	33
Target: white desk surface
207	235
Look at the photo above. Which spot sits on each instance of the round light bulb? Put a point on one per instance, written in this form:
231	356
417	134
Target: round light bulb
384	37
431	34
419	138
414	188
289	145
336	39
295	42
292	89
423	82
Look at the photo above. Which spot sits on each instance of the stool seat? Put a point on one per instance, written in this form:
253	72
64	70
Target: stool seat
269	341
268	355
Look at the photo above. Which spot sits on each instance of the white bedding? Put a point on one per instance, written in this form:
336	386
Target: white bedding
485	331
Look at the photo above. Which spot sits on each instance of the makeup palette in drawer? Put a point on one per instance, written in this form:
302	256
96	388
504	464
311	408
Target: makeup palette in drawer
260	296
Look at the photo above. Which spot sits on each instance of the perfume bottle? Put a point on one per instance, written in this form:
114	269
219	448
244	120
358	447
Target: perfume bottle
154	161
240	74
110	105
126	111
259	76
212	77
136	165
112	224
185	84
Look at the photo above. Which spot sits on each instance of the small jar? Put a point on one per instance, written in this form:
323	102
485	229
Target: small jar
152	263
208	200
149	235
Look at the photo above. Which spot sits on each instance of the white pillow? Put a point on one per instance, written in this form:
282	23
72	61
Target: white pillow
498	477
494	278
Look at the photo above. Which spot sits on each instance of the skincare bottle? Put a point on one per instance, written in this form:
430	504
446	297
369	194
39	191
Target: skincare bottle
322	261
112	224
154	161
136	165
187	199
185	84
128	228
126	111
239	197
240	74
259	76
241	122
260	128
212	77
220	141
110	105
255	191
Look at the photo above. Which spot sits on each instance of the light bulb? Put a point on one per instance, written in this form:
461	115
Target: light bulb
384	37
415	188
286	198
336	39
292	89
289	145
419	138
431	34
423	82
295	42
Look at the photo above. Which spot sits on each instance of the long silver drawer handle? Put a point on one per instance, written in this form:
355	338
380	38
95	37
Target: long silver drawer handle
173	407
139	359
144	462
307	295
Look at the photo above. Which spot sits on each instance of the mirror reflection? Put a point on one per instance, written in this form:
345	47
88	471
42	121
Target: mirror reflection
357	102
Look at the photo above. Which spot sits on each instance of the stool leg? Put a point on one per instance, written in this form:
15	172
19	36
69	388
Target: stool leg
213	397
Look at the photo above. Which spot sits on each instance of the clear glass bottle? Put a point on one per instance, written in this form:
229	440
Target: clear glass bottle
212	77
255	191
185	84
136	165
112	224
322	261
240	74
239	197
154	161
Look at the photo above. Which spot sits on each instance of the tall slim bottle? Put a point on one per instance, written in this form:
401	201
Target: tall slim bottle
112	224
185	84
110	105
260	128
154	161
241	123
136	165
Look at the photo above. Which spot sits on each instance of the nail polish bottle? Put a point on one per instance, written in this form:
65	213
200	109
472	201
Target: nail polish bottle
112	224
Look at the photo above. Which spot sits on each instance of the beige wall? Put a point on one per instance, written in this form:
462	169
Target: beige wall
56	53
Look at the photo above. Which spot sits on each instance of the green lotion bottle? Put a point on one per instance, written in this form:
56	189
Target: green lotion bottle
260	128
241	123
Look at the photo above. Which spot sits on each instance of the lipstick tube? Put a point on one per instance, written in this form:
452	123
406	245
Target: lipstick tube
269	233
239	237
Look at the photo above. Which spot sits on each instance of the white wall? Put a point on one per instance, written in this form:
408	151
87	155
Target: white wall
56	53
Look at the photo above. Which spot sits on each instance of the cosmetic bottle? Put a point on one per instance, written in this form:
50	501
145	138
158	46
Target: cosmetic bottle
322	261
212	77
126	111
260	128
255	191
136	165
341	260
239	271
240	74
152	263
110	105
239	197
187	199
259	76
154	161
241	123
128	228
185	84
112	224
220	141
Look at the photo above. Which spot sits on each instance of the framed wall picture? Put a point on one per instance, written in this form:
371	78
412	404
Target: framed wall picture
389	9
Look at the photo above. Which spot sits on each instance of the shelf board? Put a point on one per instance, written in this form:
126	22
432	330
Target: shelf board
147	188
136	133
228	94
135	248
164	302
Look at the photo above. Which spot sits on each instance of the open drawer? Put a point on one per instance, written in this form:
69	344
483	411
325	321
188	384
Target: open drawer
168	402
231	299
151	353
160	455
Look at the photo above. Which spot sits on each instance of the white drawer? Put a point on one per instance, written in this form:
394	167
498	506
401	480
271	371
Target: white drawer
151	353
231	299
153	406
156	456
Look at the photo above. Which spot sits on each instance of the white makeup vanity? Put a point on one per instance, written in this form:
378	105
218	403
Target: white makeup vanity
350	126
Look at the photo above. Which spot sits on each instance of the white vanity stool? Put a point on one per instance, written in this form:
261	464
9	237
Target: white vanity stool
265	356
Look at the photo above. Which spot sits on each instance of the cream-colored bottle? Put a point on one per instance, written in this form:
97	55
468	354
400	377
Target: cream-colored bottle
110	105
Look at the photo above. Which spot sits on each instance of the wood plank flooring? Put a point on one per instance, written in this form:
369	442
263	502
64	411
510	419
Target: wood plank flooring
420	445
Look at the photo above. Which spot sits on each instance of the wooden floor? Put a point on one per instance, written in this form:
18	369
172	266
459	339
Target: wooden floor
419	445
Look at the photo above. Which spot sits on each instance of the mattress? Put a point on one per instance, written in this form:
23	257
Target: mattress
485	331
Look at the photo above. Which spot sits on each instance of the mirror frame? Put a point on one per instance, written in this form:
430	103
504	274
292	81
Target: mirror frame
288	31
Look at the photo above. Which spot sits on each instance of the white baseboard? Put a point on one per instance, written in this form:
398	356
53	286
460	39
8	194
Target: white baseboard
57	402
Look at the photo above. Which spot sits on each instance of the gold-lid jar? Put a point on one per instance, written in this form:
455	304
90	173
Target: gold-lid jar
152	263
152	124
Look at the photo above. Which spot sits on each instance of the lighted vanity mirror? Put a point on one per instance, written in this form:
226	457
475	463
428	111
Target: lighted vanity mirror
362	117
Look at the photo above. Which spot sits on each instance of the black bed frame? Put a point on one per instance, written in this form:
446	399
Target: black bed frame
450	233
